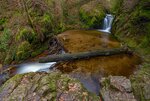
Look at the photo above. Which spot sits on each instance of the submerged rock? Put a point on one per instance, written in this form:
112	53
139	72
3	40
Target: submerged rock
117	88
42	87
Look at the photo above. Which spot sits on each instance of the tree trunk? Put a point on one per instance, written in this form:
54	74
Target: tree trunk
83	55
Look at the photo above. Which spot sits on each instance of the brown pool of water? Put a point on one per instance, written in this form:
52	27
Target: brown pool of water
79	41
89	71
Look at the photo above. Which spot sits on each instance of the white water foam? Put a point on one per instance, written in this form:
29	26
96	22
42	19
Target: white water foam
34	67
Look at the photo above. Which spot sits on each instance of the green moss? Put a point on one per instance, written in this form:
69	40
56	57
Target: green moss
39	50
14	81
23	51
115	5
47	24
2	21
26	34
92	17
5	37
60	27
10	55
52	85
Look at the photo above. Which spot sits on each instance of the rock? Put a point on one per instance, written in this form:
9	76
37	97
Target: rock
52	86
121	83
116	88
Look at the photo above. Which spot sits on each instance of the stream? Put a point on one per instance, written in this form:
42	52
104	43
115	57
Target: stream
93	68
35	66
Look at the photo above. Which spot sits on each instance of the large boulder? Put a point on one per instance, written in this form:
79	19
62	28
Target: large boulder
117	88
42	87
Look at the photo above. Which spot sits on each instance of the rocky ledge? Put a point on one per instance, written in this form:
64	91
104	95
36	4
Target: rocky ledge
44	87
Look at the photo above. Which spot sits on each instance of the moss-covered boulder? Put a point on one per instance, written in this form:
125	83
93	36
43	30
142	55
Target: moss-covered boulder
92	14
44	87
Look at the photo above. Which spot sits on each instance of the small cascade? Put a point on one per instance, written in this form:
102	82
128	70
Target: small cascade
34	67
107	23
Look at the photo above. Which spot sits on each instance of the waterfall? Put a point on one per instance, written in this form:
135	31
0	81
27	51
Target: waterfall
107	23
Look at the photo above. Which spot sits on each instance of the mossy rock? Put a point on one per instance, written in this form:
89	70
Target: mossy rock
23	51
45	87
92	15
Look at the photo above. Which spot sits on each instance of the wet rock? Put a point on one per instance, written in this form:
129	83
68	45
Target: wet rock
52	86
117	88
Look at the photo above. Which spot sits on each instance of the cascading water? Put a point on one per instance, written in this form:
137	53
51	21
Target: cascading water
34	67
107	23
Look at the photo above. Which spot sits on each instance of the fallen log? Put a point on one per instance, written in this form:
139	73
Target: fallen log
84	55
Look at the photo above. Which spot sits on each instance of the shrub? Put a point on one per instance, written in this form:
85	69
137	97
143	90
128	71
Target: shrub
24	51
2	21
26	34
4	39
46	24
60	27
92	17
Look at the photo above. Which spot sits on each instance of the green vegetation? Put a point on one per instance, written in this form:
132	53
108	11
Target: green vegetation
39	49
115	6
26	34
5	38
23	51
59	28
2	21
47	24
92	17
133	27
